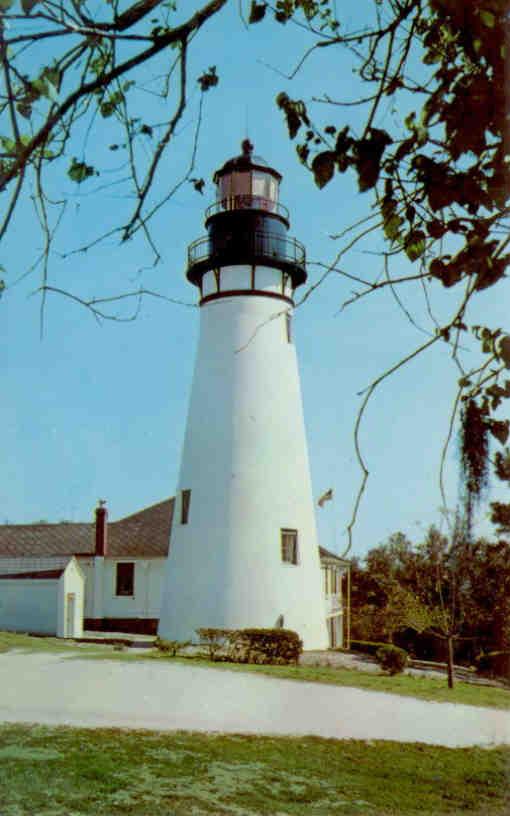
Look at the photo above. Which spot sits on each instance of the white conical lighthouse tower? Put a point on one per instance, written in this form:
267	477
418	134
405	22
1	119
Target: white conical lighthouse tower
243	547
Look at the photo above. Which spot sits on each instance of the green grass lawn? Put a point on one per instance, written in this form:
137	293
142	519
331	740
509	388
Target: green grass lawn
424	688
29	643
107	772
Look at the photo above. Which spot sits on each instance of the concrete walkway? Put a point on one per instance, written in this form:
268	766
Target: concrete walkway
60	689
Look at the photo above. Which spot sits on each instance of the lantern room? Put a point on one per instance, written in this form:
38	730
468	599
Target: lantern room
247	182
247	225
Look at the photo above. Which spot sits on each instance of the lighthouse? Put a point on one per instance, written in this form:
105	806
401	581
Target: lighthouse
243	545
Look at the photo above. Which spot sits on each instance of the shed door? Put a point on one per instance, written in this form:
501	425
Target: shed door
70	614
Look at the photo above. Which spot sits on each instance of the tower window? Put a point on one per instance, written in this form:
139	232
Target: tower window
289	545
185	502
125	579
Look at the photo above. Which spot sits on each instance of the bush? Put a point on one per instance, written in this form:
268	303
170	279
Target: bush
392	659
367	646
494	664
170	647
217	641
276	646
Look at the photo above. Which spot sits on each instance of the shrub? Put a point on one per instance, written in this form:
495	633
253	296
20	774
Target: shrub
367	646
392	659
170	647
217	641
277	646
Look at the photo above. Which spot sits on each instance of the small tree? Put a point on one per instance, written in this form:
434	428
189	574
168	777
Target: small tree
442	614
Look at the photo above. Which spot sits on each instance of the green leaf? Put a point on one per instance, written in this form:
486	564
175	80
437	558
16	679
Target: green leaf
41	86
488	18
5	4
53	75
323	168
27	5
415	245
9	145
79	171
392	226
24	109
109	106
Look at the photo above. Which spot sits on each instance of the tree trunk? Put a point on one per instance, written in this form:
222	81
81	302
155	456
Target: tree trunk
450	661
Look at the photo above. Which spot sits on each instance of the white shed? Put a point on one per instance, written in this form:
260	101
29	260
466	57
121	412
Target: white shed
42	596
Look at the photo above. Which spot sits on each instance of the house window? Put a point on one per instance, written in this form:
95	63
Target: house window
289	545
125	579
185	502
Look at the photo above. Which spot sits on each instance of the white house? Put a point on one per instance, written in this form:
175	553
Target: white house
114	570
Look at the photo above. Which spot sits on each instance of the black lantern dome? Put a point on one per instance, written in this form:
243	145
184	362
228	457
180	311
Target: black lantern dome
247	224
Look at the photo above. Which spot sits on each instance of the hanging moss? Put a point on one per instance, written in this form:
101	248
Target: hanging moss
474	450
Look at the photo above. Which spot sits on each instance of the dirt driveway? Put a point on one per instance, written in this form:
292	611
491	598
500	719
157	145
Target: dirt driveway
64	689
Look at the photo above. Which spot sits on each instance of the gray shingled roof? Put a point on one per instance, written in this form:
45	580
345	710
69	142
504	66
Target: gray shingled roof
46	539
143	534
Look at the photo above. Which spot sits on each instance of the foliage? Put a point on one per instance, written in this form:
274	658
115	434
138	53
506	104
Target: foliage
252	645
216	641
474	453
392	659
366	646
437	587
445	174
277	646
437	172
170	647
500	511
101	772
69	69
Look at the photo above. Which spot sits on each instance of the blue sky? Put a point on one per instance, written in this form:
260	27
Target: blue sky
98	411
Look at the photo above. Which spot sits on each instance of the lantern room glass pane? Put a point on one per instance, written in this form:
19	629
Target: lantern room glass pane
260	185
223	188
241	184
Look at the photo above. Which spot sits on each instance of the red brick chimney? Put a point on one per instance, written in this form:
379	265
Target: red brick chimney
101	529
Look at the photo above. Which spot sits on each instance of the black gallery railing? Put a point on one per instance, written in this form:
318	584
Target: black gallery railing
242	248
